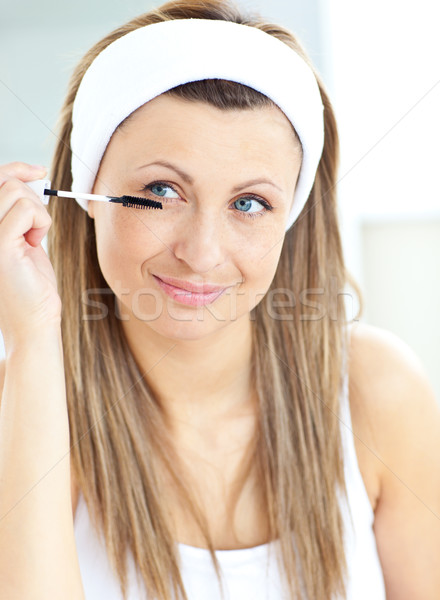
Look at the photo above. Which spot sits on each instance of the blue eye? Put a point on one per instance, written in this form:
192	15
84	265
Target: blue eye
160	189
246	203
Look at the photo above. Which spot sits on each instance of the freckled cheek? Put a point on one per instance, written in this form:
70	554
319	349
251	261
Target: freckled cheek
269	257
124	242
259	267
258	275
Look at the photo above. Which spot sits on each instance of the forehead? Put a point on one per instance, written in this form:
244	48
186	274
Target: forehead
171	115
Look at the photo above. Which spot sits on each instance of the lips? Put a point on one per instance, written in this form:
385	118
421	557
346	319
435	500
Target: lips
189	286
189	293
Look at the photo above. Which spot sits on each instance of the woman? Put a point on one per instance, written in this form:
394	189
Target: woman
193	361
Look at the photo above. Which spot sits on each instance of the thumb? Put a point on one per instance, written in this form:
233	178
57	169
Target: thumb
35	236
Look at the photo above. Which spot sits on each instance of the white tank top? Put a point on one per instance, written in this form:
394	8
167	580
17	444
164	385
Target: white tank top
251	573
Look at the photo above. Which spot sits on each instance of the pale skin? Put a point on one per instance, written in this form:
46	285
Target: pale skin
200	367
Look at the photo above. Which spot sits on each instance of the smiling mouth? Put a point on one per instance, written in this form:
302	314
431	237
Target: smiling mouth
189	293
190	286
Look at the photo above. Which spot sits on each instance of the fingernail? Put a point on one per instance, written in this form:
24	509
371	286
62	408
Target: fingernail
39	167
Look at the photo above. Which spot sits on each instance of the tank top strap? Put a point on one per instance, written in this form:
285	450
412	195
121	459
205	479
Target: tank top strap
344	405
356	490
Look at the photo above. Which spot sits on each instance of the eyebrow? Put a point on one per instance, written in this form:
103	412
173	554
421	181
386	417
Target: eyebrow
188	179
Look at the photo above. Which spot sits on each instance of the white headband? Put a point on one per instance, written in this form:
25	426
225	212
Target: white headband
151	60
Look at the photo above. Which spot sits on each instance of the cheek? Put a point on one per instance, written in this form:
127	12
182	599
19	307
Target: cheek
267	248
124	240
261	262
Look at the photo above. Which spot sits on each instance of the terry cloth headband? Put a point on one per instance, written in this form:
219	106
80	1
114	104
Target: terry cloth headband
153	59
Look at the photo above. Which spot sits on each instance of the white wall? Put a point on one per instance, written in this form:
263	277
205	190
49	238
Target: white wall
400	269
386	77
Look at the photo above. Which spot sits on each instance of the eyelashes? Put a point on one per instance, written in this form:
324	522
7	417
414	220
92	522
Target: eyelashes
249	197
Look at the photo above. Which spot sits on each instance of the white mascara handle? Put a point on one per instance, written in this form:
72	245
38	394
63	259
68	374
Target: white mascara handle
38	186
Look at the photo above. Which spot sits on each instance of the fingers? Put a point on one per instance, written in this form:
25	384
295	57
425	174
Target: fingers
13	189
22	171
35	236
25	218
22	213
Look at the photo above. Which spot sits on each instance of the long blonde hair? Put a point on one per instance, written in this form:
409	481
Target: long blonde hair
118	434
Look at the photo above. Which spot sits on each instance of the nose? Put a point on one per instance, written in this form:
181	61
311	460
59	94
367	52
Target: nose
199	241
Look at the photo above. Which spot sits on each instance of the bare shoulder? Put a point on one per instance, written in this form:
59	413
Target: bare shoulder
377	350
389	387
397	420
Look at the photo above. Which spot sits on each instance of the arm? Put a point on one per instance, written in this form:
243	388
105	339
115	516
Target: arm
404	417
38	557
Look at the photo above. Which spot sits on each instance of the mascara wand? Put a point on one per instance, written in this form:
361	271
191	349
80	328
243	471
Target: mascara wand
42	188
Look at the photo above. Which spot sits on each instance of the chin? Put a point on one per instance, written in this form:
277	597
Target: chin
179	330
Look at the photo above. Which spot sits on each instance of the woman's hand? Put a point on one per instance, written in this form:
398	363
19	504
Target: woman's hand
29	300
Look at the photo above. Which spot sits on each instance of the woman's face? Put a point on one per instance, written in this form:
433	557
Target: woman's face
226	180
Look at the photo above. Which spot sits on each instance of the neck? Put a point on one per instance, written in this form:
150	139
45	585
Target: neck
196	380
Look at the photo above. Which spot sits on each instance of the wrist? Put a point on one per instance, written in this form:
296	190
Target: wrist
33	338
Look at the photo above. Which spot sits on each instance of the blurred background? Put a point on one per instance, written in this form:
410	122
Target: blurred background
380	62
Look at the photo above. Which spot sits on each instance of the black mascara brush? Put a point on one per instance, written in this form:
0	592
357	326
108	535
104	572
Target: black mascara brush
42	188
